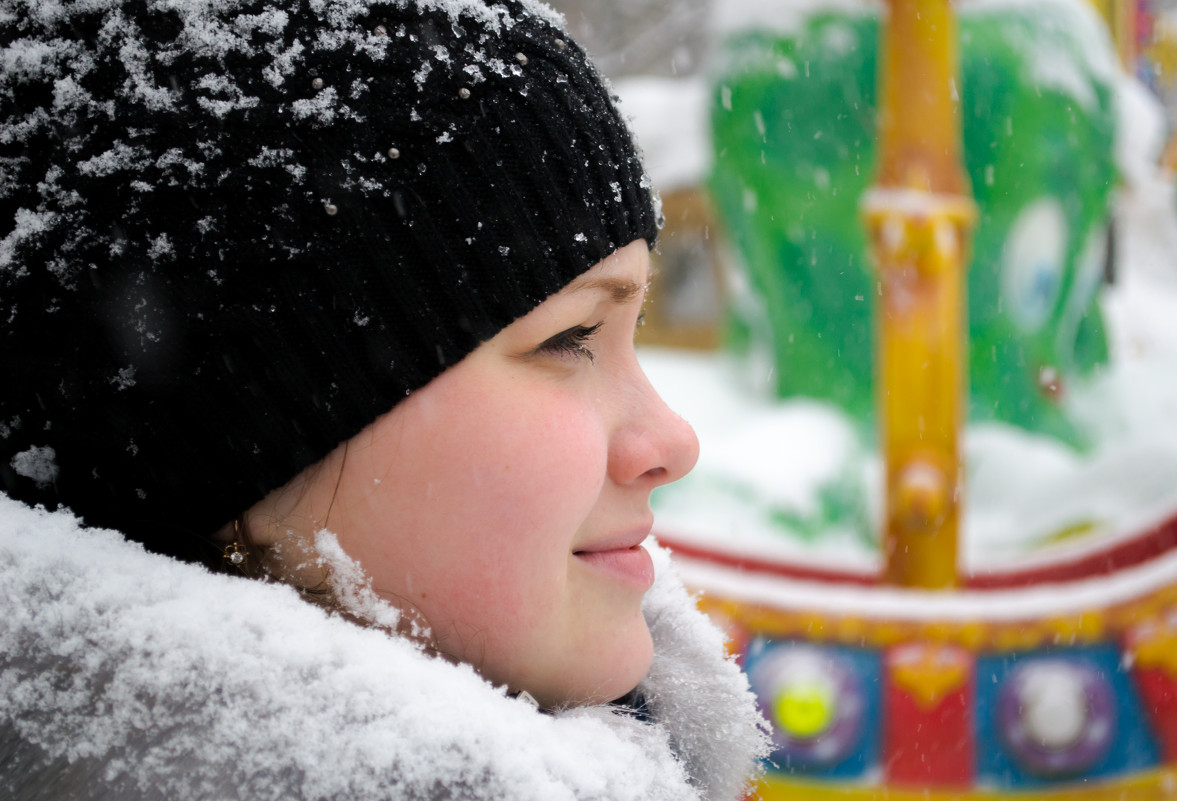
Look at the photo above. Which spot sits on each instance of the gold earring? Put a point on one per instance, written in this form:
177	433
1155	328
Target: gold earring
235	552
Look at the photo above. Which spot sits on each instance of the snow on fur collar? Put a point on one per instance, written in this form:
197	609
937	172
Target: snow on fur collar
130	676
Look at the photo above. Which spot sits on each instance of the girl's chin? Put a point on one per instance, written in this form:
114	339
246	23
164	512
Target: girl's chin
618	675
595	669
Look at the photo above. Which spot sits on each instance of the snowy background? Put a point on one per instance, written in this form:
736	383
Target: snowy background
792	479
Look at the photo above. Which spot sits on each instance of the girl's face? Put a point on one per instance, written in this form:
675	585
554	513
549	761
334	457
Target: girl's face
506	500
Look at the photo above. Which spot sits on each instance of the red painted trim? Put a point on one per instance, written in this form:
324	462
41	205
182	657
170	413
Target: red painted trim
750	563
1159	690
1141	548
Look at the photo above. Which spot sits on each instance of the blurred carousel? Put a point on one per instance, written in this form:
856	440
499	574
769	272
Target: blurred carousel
1052	674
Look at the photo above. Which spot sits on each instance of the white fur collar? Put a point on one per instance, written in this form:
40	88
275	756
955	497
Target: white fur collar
126	675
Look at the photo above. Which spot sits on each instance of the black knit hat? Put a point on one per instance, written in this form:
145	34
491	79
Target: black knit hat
235	233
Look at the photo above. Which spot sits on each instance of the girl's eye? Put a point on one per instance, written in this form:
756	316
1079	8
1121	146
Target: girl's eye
573	342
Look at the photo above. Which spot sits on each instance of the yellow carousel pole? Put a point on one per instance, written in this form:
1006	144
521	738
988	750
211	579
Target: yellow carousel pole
919	216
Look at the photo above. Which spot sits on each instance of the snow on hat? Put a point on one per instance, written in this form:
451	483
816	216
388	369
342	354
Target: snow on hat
235	232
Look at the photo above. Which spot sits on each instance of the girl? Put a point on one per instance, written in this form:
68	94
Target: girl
339	294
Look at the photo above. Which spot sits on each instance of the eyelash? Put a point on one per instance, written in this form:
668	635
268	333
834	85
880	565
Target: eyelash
573	342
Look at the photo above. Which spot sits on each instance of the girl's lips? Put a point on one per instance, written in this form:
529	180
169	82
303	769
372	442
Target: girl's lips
631	566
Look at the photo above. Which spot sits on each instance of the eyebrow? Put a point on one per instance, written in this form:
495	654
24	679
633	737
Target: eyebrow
621	290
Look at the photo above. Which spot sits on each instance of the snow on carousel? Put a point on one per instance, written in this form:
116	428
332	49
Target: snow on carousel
936	508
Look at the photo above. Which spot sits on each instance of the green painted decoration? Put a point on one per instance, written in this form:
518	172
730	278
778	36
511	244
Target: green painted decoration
794	132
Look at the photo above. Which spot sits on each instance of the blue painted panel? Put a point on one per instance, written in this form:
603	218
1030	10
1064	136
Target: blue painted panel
1132	747
858	672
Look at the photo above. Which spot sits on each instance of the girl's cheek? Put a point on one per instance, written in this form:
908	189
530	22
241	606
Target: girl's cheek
550	431
552	473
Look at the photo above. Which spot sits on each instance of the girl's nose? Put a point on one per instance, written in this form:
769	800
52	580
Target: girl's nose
652	444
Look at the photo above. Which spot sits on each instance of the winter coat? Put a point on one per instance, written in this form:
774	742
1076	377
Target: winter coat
129	676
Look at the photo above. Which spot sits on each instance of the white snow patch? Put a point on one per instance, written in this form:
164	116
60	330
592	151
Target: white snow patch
27	224
352	589
284	64
322	106
271	157
422	73
30	58
669	120
174	157
142	87
231	97
125	378
781	18
68	94
1140	132
118	158
1069	69
37	463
